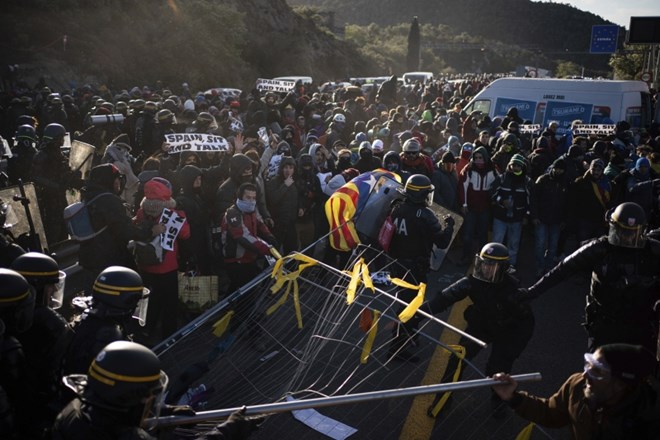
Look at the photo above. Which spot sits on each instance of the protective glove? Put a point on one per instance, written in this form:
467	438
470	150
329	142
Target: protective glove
239	425
449	221
177	410
522	294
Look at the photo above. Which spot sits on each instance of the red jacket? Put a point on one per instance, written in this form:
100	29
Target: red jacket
170	262
245	237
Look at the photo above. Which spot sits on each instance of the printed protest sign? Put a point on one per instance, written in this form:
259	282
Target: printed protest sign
595	129
179	142
173	223
274	85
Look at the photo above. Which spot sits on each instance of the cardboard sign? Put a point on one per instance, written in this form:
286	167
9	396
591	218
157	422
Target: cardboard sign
173	223
274	85
195	142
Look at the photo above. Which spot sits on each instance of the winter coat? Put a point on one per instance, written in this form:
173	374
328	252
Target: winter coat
109	248
170	258
446	188
283	201
548	201
245	236
517	189
475	186
586	201
226	193
636	417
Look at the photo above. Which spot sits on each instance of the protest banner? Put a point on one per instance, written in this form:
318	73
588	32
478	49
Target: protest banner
274	85
173	223
594	129
179	142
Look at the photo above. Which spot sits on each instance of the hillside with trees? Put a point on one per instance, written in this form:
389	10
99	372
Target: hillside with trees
543	33
204	42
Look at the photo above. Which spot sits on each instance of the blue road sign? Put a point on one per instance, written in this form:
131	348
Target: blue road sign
604	38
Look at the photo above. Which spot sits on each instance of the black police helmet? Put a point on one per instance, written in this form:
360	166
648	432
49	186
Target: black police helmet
40	270
16	301
418	189
118	288
627	225
491	263
125	375
54	132
26	132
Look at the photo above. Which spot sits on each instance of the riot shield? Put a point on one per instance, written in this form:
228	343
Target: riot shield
80	157
377	206
21	225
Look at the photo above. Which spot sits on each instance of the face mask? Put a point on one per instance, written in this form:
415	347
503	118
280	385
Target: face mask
392	167
246	206
345	162
517	173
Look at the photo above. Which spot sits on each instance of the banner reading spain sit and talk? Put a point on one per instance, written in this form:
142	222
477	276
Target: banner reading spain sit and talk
346	204
179	142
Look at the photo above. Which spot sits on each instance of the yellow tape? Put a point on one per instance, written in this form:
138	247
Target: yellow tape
414	305
526	433
220	327
460	353
369	341
291	280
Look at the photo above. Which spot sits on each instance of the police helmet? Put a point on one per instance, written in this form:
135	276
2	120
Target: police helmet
26	132
627	224
54	132
16	301
127	376
411	146
42	271
419	189
120	291
491	263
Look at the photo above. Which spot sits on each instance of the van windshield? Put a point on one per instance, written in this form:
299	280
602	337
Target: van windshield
482	105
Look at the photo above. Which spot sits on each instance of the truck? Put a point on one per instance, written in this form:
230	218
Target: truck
544	100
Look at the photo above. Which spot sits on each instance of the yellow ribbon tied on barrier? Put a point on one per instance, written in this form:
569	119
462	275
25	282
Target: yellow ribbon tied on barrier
359	274
291	280
416	303
369	341
526	433
459	351
220	327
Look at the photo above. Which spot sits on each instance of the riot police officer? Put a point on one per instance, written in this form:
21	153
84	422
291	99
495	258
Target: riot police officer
23	152
118	295
45	343
495	316
123	387
625	282
416	230
9	250
16	317
52	176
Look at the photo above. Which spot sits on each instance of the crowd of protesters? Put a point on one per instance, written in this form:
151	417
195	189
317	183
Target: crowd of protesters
287	152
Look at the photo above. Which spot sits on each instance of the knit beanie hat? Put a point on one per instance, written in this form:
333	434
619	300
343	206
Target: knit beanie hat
518	159
157	196
630	363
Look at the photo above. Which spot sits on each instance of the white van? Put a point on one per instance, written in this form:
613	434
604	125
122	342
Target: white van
413	77
564	100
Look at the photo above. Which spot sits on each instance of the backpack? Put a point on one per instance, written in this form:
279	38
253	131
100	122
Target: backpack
147	253
78	221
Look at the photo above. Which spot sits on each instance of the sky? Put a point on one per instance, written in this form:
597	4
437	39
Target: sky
618	11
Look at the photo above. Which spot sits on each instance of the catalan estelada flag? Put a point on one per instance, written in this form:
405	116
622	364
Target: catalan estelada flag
346	204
